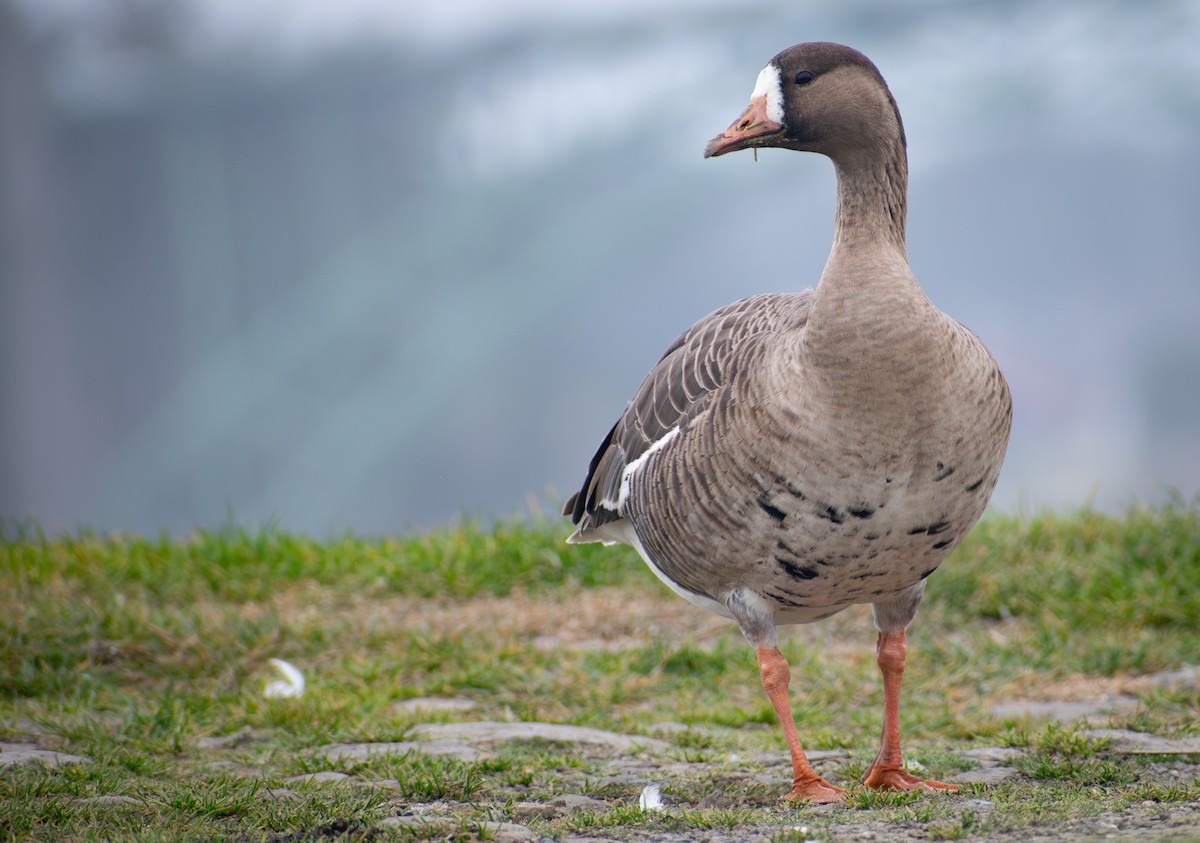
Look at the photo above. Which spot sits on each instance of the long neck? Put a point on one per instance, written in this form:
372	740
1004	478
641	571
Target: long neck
869	315
872	198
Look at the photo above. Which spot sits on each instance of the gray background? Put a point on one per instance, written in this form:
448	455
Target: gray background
373	265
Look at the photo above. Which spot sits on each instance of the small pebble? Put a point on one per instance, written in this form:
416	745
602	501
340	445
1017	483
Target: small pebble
420	705
508	832
979	804
238	738
278	793
523	811
430	824
577	802
323	777
385	784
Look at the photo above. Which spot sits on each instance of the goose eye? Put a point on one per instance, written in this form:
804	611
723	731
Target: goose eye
804	77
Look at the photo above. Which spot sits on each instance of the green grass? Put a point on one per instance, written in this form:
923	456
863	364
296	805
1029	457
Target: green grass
130	651
1129	581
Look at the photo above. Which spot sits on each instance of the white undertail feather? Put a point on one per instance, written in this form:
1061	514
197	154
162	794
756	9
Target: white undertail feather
621	531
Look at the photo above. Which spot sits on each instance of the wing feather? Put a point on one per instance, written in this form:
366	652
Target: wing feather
677	391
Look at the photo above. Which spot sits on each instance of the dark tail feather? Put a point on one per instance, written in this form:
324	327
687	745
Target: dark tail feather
569	508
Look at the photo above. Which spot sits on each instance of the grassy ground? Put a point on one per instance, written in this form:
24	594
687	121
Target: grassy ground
133	651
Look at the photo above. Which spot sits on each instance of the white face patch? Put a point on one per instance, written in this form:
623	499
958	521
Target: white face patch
770	85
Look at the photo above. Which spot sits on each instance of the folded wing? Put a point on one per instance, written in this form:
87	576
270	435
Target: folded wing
675	395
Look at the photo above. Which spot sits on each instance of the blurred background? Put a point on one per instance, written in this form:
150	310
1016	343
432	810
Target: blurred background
366	265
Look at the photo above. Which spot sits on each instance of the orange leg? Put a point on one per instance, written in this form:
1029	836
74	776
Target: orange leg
806	784
887	770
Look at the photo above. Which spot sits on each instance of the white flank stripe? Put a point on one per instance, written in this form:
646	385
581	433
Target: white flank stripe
636	464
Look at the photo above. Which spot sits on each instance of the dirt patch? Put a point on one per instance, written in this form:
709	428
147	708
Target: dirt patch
606	617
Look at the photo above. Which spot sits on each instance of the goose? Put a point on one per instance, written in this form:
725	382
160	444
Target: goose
793	454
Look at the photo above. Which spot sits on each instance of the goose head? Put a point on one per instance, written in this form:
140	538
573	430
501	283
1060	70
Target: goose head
816	97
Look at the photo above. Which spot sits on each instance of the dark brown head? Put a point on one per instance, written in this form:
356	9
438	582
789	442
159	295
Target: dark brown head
816	97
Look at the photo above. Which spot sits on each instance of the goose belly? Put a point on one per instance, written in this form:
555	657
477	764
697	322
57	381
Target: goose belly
812	540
